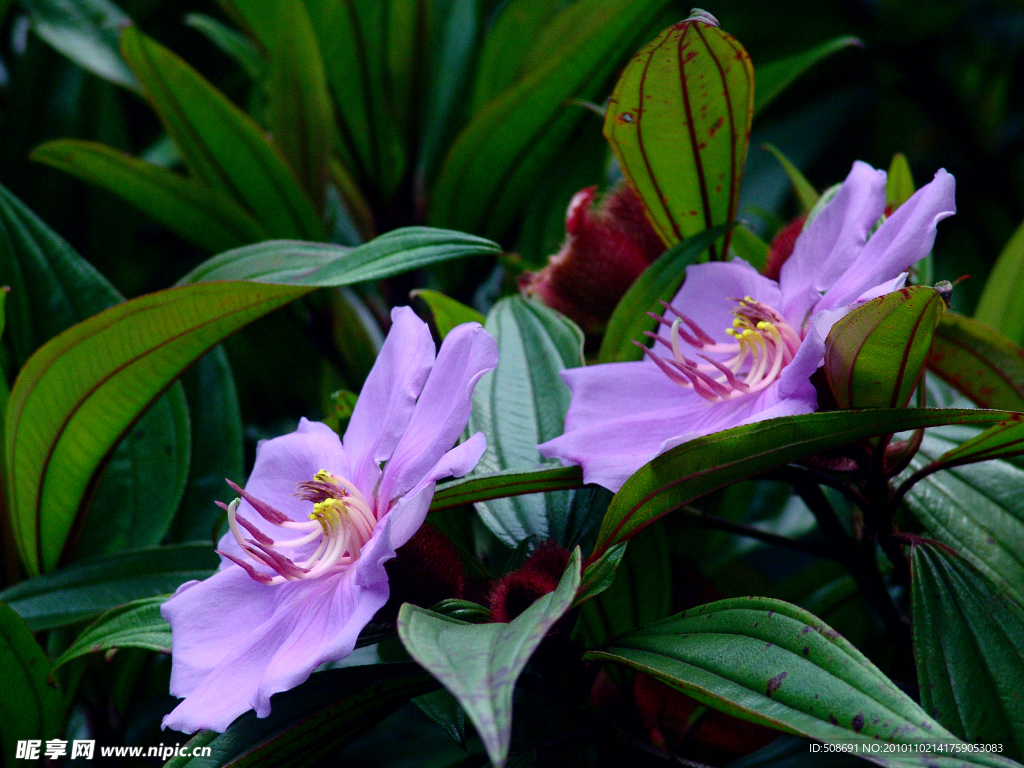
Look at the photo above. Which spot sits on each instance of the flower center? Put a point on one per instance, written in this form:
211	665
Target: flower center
763	344
340	525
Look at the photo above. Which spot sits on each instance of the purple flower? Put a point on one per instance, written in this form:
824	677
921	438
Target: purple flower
735	347
302	569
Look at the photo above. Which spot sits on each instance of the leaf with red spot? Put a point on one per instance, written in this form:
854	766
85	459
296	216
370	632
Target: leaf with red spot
679	123
875	355
981	363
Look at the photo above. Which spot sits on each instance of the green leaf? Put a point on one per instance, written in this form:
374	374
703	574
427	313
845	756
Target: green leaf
659	282
899	183
80	393
299	111
87	32
750	247
806	194
447	312
479	487
969	647
492	168
679	123
705	464
599	575
198	213
312	264
221	145
217	447
31	707
984	365
999	306
137	624
236	45
308	725
445	710
976	509
521	404
1000	441
875	355
777	665
82	591
640	594
774	78
480	663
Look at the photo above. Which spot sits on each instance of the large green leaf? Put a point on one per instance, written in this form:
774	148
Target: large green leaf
714	461
480	663
492	168
137	624
479	487
521	404
202	215
981	363
231	42
82	591
977	510
998	306
30	707
679	123
659	282
969	645
874	356
309	724
80	393
772	663
87	32
221	145
774	78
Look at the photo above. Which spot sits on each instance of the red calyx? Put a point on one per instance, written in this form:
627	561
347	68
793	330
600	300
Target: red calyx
425	570
605	250
539	575
782	246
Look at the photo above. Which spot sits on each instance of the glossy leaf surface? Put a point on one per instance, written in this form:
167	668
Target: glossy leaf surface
137	624
479	487
981	363
679	122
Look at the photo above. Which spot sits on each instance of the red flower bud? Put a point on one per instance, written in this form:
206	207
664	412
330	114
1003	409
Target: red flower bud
782	246
424	571
539	575
604	251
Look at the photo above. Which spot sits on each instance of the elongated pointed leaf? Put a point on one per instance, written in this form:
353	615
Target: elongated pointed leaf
600	574
308	725
87	32
31	707
231	42
198	213
222	146
899	183
969	647
999	306
806	194
875	355
981	363
777	665
521	404
84	590
480	663
708	463
496	485
679	123
137	624
79	394
1001	441
774	78
448	312
492	168
976	509
659	282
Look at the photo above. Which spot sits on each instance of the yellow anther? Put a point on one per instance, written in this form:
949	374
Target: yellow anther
323	476
764	325
749	299
731	332
737	322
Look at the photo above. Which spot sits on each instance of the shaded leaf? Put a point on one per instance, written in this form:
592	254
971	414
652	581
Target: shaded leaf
480	663
31	708
231	42
969	647
981	363
447	312
679	123
445	710
600	574
750	247
659	282
708	463
777	665
521	404
899	182
84	590
198	213
1000	307
875	355
806	194
137	624
510	482
774	78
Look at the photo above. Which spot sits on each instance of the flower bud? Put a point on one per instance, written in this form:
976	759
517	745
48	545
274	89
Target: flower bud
782	246
539	575
425	571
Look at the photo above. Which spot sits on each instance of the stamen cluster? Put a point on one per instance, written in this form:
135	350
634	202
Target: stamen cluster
341	519
764	343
